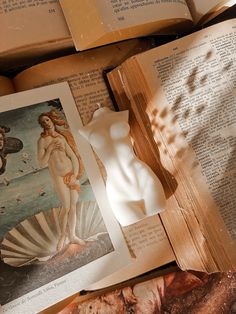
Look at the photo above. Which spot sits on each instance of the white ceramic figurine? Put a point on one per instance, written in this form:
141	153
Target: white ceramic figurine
133	190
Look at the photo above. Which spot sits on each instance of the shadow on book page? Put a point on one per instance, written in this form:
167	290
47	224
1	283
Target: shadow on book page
57	232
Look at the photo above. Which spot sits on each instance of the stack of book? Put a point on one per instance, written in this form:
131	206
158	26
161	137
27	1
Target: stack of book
60	62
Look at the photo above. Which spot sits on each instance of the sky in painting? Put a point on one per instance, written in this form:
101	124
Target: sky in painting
23	124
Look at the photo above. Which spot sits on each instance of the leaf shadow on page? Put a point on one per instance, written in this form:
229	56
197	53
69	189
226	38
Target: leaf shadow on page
144	145
203	105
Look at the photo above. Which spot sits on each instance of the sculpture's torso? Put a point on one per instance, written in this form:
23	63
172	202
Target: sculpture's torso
133	189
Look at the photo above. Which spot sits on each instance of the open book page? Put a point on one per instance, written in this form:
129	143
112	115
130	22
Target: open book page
188	88
110	21
83	71
123	14
25	24
203	11
148	244
6	86
57	231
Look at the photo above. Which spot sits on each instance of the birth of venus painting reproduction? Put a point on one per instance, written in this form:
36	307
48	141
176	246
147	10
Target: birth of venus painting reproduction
51	222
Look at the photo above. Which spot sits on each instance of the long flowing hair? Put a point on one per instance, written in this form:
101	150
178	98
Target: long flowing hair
59	122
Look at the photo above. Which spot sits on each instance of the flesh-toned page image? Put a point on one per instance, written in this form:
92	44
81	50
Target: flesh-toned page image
58	234
176	292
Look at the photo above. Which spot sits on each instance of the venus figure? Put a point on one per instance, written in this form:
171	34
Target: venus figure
64	166
133	190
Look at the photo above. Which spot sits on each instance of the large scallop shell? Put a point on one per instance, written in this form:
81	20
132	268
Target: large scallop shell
35	239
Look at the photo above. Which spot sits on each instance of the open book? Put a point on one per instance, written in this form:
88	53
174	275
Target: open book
94	23
181	99
31	30
84	73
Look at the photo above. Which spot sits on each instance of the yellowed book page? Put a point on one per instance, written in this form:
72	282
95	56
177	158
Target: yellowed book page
202	10
6	86
193	111
117	14
30	22
84	73
95	22
150	247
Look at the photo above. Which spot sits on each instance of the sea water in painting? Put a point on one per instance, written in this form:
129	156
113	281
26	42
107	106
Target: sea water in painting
50	223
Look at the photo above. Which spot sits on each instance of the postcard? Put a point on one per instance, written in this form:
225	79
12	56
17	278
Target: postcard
57	232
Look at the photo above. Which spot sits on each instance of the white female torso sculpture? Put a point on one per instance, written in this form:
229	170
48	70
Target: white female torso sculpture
133	190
